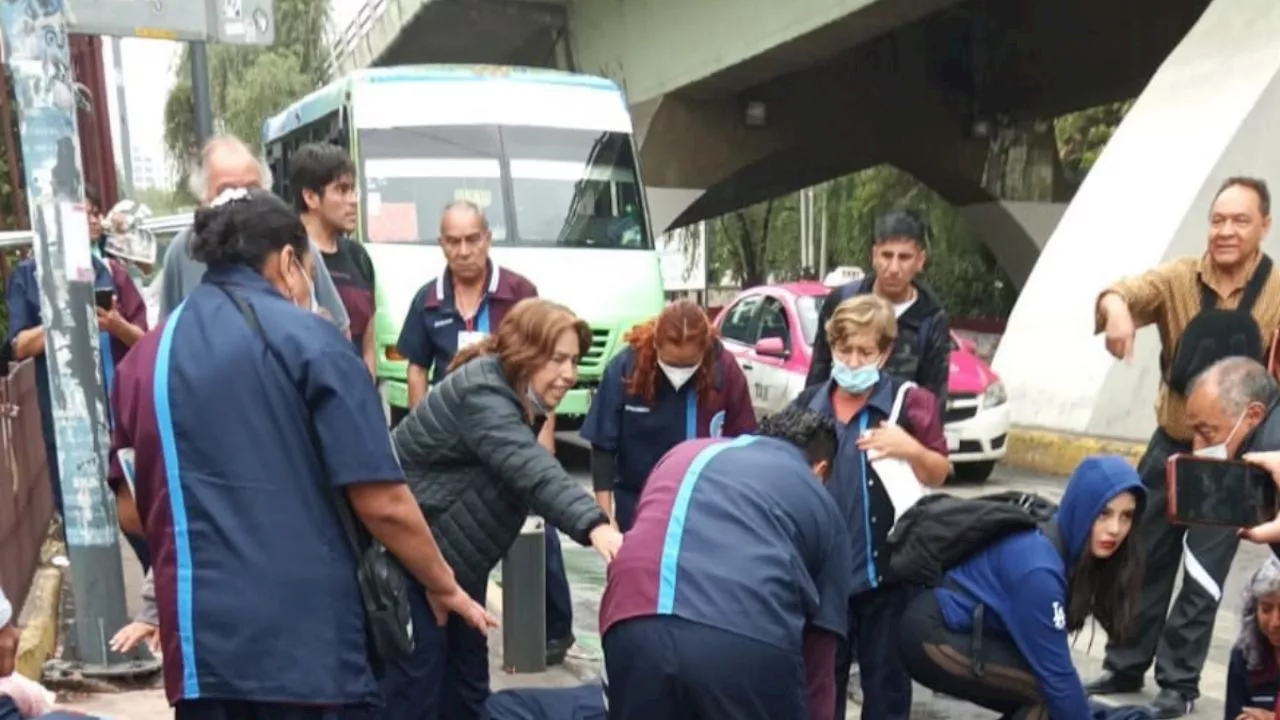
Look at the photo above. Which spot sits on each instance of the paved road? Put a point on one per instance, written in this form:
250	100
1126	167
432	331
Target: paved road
586	576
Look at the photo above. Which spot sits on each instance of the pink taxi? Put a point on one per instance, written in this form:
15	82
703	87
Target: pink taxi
770	330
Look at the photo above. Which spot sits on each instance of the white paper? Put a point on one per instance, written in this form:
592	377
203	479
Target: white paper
77	252
899	483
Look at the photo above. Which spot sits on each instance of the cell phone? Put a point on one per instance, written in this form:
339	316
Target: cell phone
1209	491
104	298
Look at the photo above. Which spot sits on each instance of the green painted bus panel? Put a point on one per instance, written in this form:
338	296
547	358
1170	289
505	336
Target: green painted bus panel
612	290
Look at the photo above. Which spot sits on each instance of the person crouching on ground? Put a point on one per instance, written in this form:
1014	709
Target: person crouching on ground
1035	593
733	585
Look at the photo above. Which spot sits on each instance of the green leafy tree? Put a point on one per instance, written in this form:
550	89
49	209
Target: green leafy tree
761	243
249	84
161	201
1082	136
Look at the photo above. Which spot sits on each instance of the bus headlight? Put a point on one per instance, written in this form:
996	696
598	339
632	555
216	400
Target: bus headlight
995	395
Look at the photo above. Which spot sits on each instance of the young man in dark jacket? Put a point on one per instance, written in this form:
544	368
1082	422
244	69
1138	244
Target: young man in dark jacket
922	353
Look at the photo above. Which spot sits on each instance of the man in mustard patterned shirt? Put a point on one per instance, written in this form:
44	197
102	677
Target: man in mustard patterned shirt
1171	296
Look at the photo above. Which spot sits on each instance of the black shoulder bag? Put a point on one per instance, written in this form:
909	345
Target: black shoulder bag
1214	334
384	591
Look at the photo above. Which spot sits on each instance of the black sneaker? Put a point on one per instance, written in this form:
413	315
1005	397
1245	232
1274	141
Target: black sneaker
558	648
1170	703
1109	683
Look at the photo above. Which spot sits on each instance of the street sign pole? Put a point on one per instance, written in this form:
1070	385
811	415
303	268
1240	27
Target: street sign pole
201	95
39	59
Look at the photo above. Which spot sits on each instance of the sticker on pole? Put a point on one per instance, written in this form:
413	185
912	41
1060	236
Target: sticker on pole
233	10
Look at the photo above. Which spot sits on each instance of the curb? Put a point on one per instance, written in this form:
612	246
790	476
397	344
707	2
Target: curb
1058	453
584	670
40	613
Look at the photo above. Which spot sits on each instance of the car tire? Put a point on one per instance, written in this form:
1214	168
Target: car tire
973	473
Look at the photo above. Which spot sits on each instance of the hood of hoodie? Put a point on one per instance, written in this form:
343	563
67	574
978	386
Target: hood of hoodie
1095	482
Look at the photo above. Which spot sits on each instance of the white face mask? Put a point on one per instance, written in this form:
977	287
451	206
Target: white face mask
311	288
1219	451
677	375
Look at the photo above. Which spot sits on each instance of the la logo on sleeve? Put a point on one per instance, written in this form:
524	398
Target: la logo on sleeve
1059	616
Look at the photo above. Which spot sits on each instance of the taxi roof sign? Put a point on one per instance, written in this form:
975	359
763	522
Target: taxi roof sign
843	275
234	22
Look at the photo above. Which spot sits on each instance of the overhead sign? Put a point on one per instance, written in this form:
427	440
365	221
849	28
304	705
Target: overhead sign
682	254
235	22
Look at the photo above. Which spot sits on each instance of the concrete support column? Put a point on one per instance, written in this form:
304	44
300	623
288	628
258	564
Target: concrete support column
1015	232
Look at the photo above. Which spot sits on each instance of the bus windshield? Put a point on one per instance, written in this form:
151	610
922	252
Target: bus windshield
538	186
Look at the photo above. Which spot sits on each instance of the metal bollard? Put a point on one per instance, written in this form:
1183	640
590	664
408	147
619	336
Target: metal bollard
524	601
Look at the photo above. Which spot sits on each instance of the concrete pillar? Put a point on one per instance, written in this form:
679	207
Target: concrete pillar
1015	232
1209	112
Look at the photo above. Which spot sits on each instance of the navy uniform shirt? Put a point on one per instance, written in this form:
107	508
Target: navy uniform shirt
858	492
433	327
255	582
739	535
23	296
640	433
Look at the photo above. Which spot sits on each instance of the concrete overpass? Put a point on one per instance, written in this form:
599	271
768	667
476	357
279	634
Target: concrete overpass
846	84
849	84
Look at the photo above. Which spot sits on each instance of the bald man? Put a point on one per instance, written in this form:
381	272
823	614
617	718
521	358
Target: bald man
228	163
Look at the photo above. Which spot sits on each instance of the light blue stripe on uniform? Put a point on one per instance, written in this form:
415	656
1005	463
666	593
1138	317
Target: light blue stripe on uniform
177	507
670	566
691	414
866	500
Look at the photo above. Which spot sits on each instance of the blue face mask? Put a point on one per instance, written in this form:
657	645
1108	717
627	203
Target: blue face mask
855	380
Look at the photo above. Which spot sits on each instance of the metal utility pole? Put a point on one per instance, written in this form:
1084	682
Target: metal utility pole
201	94
126	150
38	58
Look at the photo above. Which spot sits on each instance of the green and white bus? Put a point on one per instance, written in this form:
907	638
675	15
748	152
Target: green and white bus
549	156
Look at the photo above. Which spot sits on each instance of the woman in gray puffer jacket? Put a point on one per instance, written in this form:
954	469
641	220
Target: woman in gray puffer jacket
472	458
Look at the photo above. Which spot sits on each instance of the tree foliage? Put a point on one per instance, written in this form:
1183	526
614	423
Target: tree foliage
1082	136
249	84
760	244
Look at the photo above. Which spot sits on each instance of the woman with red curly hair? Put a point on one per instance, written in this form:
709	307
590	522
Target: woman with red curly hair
674	382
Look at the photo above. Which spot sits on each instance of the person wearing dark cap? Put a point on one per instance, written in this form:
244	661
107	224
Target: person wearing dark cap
922	353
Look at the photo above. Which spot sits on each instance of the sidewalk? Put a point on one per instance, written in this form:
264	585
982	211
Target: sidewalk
150	704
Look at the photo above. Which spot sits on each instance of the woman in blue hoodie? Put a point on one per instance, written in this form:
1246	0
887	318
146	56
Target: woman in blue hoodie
995	633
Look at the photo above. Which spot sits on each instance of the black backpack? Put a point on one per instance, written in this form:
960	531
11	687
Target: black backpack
941	531
1215	334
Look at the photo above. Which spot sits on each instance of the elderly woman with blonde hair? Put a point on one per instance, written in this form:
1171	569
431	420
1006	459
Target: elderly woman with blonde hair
890	445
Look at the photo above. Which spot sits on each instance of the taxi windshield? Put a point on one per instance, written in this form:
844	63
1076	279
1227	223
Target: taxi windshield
538	186
807	309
